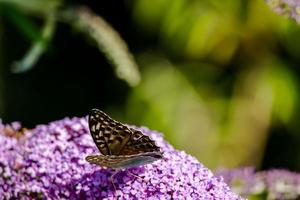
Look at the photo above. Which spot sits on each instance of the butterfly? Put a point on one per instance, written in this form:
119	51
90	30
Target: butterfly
120	146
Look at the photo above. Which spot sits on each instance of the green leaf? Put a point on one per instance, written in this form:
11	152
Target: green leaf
22	22
109	42
34	6
37	48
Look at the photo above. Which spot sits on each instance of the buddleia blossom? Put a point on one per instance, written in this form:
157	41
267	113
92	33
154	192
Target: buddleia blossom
290	8
271	184
282	184
48	162
242	181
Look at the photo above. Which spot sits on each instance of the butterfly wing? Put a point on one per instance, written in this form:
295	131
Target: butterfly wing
109	135
126	161
139	143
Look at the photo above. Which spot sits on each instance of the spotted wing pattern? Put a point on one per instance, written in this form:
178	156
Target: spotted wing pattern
139	143
113	138
109	135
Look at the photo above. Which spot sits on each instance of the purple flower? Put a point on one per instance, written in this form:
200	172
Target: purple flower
242	181
281	184
290	8
49	162
275	184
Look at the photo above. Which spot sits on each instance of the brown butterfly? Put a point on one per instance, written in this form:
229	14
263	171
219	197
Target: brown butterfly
120	146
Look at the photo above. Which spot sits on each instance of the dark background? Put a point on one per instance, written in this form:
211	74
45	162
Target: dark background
72	77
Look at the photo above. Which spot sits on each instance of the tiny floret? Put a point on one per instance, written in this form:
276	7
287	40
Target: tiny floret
48	162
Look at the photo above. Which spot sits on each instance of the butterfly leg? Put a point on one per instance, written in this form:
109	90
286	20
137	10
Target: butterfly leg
112	179
134	175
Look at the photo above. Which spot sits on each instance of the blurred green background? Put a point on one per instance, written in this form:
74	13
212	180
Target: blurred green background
218	78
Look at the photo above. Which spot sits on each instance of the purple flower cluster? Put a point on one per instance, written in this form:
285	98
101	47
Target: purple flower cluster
48	162
290	8
275	184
